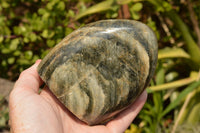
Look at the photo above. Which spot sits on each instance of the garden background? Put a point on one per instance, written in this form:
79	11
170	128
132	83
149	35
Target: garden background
30	28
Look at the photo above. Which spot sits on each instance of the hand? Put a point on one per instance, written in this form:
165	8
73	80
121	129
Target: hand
33	112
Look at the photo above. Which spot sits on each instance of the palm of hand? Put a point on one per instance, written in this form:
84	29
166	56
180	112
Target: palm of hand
33	112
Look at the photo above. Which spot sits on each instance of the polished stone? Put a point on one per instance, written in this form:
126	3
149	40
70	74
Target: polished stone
101	68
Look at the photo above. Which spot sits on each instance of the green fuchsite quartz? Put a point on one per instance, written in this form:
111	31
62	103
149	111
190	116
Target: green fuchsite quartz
101	68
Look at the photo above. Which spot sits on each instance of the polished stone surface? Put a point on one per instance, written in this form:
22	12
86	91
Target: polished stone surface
101	68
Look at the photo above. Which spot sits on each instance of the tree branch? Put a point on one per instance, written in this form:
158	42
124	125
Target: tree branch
194	21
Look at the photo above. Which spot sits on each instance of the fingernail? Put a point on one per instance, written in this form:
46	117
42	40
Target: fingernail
37	61
143	96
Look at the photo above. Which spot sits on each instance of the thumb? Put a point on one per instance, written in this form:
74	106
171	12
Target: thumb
29	80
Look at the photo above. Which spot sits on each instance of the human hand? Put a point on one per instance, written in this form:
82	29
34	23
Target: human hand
34	112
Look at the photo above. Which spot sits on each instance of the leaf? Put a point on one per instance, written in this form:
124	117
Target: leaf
137	7
23	62
1	39
167	5
152	25
158	102
17	53
68	30
17	30
28	54
191	45
4	63
103	6
135	15
194	115
26	40
171	76
133	129
2	122
50	5
180	97
61	5
172	53
5	51
157	5
51	34
41	11
33	37
174	84
190	110
35	57
46	15
123	2
45	33
11	60
50	43
171	85
44	53
5	4
71	13
160	77
23	29
14	44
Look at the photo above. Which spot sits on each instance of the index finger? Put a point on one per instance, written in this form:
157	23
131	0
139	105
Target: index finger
29	79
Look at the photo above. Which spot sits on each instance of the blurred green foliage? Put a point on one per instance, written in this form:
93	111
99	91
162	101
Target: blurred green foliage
29	29
4	116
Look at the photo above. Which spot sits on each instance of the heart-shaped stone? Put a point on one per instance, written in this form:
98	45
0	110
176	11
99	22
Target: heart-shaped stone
101	68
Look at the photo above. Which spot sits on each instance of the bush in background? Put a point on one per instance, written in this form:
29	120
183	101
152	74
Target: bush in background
30	28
